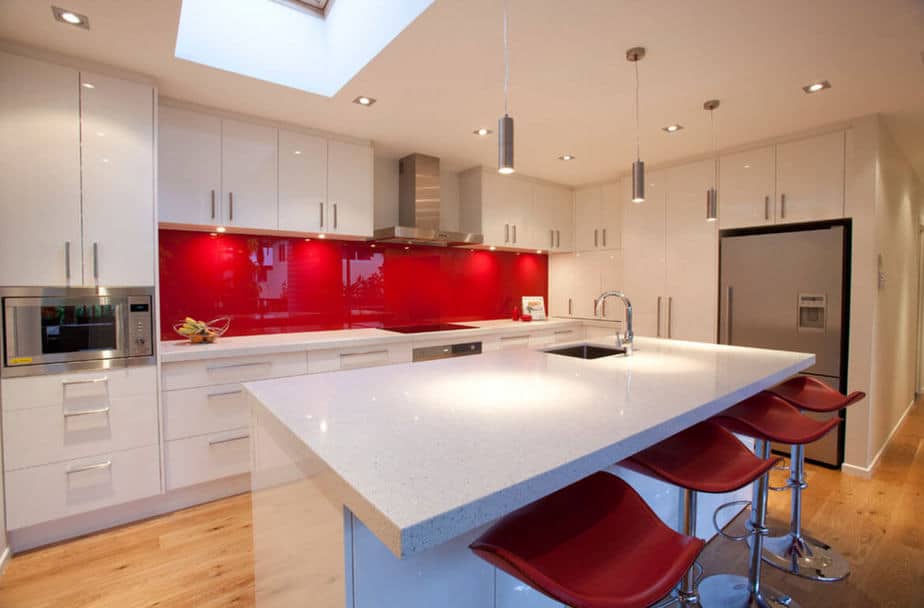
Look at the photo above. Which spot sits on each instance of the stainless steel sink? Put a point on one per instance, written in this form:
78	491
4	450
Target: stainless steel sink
587	351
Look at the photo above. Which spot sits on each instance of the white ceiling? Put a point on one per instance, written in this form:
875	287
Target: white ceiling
571	88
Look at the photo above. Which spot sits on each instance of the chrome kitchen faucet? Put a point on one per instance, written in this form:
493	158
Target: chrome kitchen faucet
630	336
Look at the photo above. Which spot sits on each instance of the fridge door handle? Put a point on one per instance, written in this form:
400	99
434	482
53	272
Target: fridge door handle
783	205
596	241
670	317
729	299
767	207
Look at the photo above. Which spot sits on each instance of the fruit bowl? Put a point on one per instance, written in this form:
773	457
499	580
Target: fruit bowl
202	332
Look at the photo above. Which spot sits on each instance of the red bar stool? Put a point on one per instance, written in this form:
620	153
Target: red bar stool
766	418
795	552
704	458
593	544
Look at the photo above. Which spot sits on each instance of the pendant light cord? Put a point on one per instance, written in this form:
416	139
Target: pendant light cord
712	127
638	153
506	62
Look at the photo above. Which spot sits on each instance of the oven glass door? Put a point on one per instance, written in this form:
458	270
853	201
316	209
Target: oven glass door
60	330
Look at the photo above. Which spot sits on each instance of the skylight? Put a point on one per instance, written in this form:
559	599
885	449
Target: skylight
306	50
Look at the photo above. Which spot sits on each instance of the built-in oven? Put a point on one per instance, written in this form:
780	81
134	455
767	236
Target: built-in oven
56	329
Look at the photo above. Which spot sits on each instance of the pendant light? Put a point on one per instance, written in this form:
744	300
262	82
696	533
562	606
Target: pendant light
712	194
635	55
505	124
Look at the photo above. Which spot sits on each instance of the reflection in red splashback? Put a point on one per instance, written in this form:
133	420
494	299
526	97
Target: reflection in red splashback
270	284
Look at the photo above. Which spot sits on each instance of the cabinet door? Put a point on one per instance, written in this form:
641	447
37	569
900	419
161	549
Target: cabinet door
495	219
518	197
302	181
810	178
610	267
746	188
586	284
188	167
611	202
248	174
563	220
550	220
692	252
587	202
349	189
644	256
118	181
39	173
562	274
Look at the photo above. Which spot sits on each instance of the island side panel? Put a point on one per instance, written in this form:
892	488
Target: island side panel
299	533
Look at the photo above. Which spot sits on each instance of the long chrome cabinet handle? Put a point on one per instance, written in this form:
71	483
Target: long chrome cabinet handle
86	381
365	354
604	237
236	365
551	239
100	410
96	260
506	233
213	204
321	214
659	316
670	317
728	314
229	439
596	242
767	207
67	260
514	233
89	467
335	215
782	205
558	238
570	307
224	394
230	206
604	308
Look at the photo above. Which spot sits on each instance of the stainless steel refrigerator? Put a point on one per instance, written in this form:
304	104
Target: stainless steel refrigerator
786	288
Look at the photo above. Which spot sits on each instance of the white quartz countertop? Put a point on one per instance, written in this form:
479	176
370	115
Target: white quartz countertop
180	350
432	450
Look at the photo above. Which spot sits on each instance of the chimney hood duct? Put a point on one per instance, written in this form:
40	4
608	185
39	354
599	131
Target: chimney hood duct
419	207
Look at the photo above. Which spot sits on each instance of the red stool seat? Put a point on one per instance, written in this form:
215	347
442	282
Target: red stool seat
765	416
704	458
593	544
814	395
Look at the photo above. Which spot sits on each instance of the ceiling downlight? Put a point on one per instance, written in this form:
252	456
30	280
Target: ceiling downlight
70	17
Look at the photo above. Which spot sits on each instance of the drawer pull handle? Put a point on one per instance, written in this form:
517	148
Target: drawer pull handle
562	332
228	439
225	393
365	354
213	368
100	410
514	338
89	467
87	381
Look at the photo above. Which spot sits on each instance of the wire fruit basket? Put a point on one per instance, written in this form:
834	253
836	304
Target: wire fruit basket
202	332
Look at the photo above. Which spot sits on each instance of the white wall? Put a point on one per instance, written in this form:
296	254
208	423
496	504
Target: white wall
385	195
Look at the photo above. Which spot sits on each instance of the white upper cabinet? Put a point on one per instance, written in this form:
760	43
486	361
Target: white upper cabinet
598	217
747	188
810	178
563	272
550	221
302	181
248	171
118	181
188	167
691	278
644	255
349	209
40	237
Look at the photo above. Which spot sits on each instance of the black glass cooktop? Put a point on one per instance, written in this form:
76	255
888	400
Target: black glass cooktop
420	329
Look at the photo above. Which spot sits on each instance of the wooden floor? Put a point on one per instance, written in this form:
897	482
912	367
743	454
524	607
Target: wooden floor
202	557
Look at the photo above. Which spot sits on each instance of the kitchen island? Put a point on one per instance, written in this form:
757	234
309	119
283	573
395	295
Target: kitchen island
369	484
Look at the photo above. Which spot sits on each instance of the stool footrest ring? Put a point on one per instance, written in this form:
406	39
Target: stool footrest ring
723	533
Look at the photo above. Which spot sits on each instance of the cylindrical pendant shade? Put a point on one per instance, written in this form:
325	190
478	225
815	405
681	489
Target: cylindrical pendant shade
638	182
505	145
712	205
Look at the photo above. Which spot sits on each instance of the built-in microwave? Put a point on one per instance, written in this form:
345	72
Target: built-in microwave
57	329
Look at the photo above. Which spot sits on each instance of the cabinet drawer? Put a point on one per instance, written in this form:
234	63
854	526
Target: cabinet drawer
210	409
212	372
570	334
38	436
514	342
199	459
53	491
353	358
76	389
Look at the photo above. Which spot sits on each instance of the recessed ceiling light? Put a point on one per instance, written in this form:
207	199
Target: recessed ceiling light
566	157
70	17
672	128
817	86
364	101
482	132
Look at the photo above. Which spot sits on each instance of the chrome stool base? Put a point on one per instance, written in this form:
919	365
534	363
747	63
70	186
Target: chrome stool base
731	591
805	557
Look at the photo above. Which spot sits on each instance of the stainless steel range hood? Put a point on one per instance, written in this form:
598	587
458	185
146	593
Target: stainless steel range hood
419	207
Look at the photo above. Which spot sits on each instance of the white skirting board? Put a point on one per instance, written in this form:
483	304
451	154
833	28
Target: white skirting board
867	472
102	519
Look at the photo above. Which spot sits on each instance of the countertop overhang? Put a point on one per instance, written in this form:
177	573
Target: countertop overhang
432	450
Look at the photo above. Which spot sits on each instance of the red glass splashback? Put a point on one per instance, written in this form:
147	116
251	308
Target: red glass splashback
275	284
